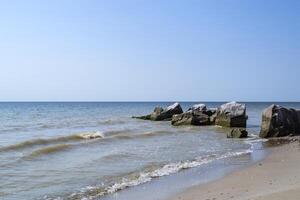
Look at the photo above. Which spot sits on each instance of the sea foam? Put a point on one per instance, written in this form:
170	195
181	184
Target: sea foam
93	192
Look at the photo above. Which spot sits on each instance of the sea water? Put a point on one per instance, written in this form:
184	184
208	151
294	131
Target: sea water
91	150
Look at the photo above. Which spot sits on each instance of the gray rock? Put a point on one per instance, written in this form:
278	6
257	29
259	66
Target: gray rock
231	114
160	114
212	118
190	118
278	121
197	115
202	109
198	107
156	113
237	133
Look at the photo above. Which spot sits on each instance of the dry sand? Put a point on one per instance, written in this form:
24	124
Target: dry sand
277	177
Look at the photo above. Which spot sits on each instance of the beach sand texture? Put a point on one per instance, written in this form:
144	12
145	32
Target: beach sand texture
277	177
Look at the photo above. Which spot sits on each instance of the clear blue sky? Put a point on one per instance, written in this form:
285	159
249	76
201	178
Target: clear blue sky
245	50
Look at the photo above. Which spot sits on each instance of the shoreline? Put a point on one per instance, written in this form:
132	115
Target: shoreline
164	187
277	176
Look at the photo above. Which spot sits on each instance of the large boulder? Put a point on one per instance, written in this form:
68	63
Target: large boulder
190	118
278	121
160	114
237	133
196	115
231	114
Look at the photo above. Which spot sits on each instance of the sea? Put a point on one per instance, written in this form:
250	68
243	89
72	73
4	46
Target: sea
96	150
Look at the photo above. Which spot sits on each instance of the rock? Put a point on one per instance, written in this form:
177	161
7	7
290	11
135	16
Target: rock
202	109
198	107
210	112
237	133
231	115
278	121
160	114
190	118
156	113
212	118
197	115
144	117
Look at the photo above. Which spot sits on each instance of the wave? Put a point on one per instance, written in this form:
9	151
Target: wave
127	135
60	124
48	150
93	192
54	145
115	157
153	133
253	138
109	135
62	147
70	138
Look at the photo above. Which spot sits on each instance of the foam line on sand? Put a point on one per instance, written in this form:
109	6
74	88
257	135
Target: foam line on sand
276	177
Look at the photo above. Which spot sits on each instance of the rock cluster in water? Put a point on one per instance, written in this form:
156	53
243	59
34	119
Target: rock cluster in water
277	121
229	115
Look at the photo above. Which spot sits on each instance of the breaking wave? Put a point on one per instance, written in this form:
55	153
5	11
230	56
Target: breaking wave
54	145
253	138
94	192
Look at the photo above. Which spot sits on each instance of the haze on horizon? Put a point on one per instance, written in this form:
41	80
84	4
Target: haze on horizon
63	50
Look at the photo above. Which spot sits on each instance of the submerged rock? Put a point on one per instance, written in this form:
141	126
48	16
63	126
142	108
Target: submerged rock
237	133
278	121
231	114
160	114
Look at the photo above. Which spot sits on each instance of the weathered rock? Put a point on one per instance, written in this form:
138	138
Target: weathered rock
201	108
197	115
231	115
190	118
156	113
144	117
237	133
278	121
160	114
198	107
213	117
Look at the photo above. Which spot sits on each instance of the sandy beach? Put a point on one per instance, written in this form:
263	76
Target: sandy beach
276	177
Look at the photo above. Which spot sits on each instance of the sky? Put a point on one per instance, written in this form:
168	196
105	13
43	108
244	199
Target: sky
149	50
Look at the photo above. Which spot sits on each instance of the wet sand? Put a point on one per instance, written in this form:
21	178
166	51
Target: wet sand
276	177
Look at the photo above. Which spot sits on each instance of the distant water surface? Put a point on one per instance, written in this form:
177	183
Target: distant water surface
88	150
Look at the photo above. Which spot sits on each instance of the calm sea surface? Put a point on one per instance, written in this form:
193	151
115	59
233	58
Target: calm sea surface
89	150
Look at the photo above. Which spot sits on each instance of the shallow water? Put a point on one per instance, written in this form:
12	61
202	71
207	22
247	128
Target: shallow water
88	150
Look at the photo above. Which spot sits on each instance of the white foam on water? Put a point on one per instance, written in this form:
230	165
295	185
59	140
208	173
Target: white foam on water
254	139
145	177
92	135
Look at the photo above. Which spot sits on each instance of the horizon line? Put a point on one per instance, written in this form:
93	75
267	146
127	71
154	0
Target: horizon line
138	101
